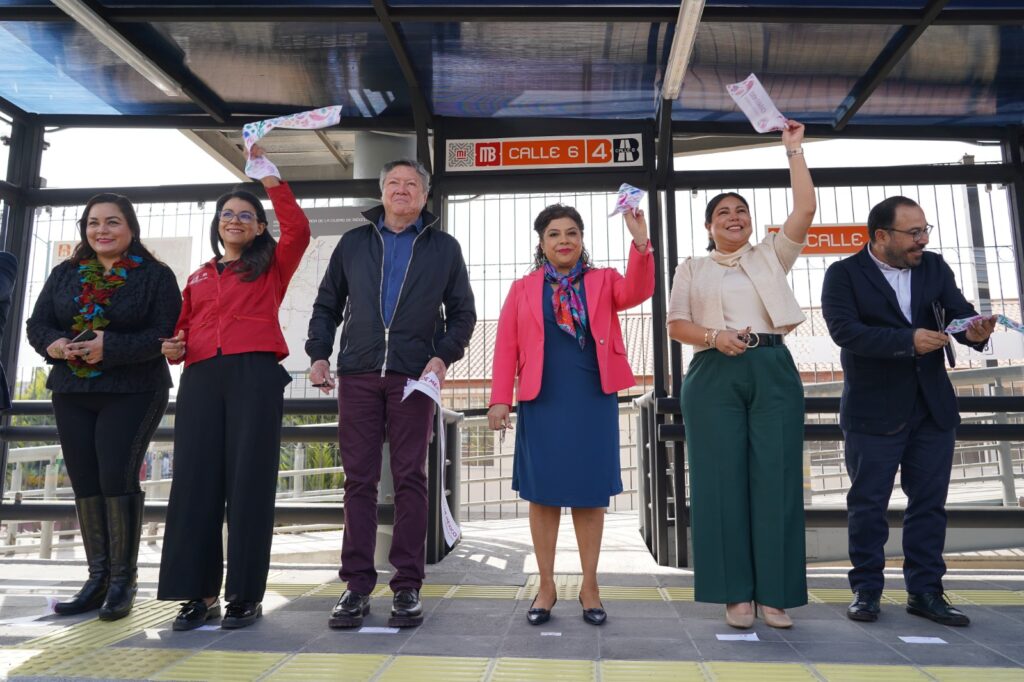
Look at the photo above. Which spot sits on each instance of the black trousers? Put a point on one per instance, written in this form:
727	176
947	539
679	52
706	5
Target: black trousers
227	448
104	437
923	453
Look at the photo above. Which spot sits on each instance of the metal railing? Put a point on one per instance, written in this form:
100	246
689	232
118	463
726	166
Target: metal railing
50	508
664	517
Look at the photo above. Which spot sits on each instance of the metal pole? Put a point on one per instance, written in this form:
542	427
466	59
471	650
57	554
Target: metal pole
23	166
299	482
46	527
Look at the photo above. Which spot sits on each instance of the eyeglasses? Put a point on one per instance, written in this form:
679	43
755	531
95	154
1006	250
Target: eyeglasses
917	234
243	216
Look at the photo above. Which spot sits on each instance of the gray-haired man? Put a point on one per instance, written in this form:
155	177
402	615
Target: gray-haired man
400	288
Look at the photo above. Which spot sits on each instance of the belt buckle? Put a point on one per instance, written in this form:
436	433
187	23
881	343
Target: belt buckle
753	336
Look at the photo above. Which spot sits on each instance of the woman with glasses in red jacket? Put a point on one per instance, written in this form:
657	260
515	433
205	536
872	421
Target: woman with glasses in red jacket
227	435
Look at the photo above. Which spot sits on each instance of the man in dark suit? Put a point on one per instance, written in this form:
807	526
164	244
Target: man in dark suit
886	308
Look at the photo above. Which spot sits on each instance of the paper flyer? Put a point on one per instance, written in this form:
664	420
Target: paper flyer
957	326
753	100
261	167
430	386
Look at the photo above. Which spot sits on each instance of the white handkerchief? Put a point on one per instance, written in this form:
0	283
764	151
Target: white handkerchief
753	100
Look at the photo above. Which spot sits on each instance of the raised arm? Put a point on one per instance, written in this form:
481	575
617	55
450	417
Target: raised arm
805	203
638	284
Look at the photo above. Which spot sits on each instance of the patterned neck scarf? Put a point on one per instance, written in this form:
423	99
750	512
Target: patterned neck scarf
97	288
570	313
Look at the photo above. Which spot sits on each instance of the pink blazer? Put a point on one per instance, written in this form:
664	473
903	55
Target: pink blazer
519	347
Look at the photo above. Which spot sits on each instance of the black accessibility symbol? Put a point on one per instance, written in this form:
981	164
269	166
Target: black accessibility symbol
625	149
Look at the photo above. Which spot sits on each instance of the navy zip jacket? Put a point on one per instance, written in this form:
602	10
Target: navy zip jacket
882	373
434	316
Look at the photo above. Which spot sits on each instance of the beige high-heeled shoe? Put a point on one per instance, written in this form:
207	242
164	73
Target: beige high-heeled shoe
775	620
738	620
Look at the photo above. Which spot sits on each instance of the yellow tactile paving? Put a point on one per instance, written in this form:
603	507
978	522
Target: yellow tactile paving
293	589
14	659
950	674
677	593
329	590
762	672
37	661
568	589
117	663
836	672
820	595
97	633
543	670
435	669
987	597
221	665
485	592
653	671
341	667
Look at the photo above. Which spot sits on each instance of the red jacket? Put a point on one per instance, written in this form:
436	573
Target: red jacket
519	348
222	311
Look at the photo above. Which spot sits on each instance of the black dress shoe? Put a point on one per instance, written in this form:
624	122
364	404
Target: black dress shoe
406	609
537	616
865	606
350	609
239	614
594	616
195	613
935	606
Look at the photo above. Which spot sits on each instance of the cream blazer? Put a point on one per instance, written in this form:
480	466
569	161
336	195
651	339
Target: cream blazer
697	287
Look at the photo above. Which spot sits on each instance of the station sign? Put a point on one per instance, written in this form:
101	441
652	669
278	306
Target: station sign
621	150
833	240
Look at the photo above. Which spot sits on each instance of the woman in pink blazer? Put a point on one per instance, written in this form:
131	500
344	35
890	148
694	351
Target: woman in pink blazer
559	334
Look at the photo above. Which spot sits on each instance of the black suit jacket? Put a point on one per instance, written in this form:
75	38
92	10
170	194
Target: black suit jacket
882	373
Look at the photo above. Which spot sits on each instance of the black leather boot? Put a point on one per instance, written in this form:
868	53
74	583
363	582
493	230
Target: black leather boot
124	525
92	518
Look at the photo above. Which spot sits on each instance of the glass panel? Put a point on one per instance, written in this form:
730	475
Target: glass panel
583	70
808	69
59	68
953	72
297	64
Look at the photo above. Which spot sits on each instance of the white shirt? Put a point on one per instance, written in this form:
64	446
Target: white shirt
899	280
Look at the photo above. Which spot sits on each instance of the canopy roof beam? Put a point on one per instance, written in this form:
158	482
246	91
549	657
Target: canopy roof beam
885	62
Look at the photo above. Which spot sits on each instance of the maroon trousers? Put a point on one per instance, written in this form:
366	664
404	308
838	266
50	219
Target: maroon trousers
369	406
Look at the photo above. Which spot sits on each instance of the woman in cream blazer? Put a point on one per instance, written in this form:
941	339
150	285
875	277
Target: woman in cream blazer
742	403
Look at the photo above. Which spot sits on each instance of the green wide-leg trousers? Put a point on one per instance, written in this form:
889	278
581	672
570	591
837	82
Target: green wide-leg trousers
744	420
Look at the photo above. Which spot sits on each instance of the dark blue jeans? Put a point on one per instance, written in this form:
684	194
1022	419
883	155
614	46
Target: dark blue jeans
923	453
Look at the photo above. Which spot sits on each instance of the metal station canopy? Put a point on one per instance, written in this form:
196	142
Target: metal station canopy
910	63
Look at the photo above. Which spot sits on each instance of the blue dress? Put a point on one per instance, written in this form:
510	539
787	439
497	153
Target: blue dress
567	438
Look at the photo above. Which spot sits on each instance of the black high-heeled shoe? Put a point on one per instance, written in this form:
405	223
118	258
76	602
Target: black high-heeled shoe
594	616
537	616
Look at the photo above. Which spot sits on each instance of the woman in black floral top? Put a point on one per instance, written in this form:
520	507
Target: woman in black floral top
109	387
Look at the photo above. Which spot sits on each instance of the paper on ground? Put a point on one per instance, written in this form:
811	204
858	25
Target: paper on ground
753	100
367	630
923	640
752	637
261	167
430	386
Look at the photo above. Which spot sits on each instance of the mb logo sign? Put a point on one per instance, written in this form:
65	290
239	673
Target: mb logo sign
524	153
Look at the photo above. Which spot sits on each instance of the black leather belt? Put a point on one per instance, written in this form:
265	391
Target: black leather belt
755	340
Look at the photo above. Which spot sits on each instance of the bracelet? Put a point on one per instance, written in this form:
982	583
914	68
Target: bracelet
707	335
790	153
714	339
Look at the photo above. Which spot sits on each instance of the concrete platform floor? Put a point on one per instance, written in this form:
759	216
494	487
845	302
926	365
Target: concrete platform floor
475	628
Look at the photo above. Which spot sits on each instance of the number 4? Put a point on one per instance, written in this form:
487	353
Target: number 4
600	152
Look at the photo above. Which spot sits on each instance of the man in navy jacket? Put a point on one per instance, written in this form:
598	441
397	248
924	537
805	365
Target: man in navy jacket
886	308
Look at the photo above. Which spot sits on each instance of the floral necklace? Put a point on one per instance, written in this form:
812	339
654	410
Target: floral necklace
97	288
